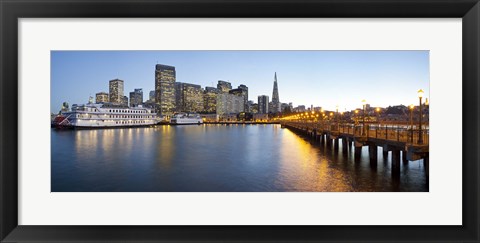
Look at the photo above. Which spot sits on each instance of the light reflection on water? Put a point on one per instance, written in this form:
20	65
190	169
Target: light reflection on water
217	158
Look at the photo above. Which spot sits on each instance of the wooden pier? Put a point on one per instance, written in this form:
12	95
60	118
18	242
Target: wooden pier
404	144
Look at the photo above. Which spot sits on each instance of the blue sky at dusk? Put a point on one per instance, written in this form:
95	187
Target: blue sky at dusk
318	78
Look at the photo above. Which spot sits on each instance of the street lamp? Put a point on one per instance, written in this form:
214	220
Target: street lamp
336	114
364	102
420	96
411	122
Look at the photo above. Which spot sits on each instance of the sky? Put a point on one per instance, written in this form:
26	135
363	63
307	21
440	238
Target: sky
318	78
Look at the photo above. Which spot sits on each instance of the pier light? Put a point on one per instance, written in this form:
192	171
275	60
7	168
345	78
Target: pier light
331	113
420	93
356	111
411	107
420	96
378	109
364	104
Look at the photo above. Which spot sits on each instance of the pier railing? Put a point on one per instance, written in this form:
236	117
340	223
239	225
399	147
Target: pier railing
399	133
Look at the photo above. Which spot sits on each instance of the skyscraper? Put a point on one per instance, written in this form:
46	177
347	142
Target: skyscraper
189	97
276	105
241	91
125	101
229	104
224	86
263	104
165	77
210	99
101	97
151	95
136	98
116	91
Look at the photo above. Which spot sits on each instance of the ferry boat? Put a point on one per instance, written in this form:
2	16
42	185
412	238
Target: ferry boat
186	119
104	116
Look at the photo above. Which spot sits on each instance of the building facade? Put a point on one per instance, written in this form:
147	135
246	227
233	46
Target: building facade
263	101
188	97
229	104
124	101
165	77
101	97
116	91
224	86
210	100
136	98
151	95
241	91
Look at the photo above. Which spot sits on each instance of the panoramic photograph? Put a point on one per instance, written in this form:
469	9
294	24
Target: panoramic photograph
239	121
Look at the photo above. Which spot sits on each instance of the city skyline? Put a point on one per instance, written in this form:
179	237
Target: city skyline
307	78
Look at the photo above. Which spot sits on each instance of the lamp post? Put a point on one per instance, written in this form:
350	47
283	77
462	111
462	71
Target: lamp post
411	123
336	116
341	121
420	137
355	122
364	105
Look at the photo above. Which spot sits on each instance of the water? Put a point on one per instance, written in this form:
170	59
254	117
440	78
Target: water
218	158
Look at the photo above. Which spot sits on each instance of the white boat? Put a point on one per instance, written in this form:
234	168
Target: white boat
105	115
185	119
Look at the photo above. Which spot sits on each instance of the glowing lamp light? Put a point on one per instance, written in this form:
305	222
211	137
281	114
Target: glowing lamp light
411	107
420	93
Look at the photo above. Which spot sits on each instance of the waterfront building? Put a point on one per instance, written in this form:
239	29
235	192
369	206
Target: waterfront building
136	98
229	104
285	107
241	91
165	77
263	101
188	97
224	86
101	97
276	105
116	91
209	117
228	117
260	117
210	99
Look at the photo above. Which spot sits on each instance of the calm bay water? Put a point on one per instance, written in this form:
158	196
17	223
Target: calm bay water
218	158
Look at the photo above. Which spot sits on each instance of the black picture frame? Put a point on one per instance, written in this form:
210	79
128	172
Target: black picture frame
12	10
